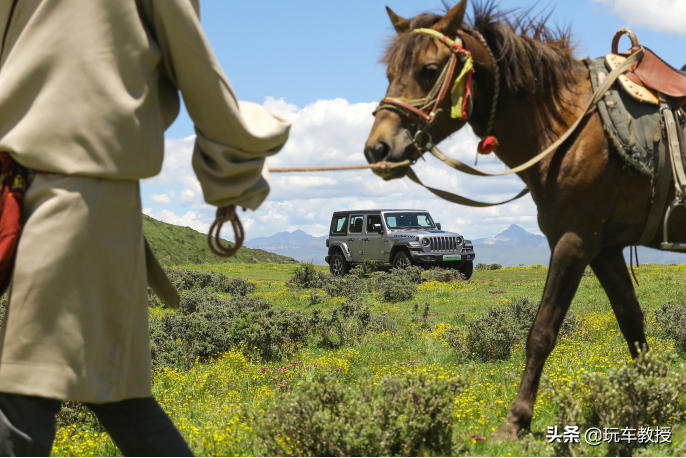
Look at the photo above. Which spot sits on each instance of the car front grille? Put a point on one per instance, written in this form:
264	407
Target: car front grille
445	243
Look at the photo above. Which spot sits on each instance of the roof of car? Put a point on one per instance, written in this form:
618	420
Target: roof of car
381	210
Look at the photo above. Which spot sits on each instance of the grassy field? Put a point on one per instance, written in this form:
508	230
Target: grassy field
212	403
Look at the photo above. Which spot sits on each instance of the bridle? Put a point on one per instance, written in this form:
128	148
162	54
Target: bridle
423	112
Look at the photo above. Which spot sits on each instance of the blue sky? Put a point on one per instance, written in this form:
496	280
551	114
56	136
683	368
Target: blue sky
317	62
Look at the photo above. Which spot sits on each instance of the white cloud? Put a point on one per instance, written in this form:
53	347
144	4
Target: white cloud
659	15
333	132
162	198
189	219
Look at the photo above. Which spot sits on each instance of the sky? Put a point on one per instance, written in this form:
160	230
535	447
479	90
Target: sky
317	63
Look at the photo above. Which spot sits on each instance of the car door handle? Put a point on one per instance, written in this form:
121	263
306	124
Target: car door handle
350	240
365	240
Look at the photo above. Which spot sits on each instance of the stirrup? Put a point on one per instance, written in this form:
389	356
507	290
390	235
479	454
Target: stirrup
666	245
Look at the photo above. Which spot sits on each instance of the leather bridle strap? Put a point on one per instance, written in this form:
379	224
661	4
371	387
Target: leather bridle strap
462	167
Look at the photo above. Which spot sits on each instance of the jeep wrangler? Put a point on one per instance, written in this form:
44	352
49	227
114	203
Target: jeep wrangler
395	239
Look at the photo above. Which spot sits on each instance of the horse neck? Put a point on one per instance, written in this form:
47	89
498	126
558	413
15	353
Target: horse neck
524	130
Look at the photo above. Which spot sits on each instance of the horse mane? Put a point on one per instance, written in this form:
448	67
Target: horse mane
535	60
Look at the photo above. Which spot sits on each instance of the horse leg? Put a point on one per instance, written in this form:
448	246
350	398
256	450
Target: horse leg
613	275
568	261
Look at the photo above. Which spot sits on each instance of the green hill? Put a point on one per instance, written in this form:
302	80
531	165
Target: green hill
176	245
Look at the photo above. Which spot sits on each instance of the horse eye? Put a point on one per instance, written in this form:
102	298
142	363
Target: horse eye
429	71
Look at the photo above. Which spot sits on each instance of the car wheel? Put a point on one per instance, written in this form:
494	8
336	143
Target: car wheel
338	266
402	260
467	269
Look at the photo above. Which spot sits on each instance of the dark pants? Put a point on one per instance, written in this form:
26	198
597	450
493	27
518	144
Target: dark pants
139	427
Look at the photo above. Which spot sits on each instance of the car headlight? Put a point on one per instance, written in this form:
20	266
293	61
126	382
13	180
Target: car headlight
426	241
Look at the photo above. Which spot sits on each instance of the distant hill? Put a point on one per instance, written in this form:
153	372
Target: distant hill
176	245
297	244
516	246
512	247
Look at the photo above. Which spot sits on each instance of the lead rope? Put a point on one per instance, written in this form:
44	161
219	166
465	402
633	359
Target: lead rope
225	214
228	213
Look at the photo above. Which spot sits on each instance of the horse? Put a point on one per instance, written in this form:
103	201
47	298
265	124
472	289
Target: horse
526	89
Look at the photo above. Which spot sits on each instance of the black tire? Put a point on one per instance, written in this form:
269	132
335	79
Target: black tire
338	266
467	269
402	260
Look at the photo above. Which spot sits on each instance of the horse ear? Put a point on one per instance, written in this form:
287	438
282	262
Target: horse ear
400	25
452	21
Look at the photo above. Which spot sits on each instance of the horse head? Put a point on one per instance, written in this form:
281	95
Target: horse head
429	55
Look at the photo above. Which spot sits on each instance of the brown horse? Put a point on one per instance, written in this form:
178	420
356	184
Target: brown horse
590	204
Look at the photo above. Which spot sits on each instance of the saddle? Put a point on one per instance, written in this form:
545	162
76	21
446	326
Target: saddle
651	82
650	75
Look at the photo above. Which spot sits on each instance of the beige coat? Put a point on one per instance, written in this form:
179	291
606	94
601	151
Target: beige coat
87	88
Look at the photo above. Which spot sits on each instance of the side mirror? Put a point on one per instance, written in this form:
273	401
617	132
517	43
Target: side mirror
438	226
378	228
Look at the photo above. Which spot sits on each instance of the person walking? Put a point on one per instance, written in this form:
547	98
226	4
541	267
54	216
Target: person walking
87	88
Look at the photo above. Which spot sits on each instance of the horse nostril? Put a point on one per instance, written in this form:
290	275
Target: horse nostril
378	152
383	151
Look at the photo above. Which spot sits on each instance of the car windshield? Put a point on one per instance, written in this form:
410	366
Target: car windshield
406	220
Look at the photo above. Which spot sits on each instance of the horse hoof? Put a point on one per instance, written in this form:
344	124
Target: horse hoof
505	432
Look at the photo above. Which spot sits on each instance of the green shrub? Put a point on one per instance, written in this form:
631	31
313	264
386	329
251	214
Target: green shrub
670	322
398	284
306	275
208	325
443	275
482	266
423	320
642	393
364	270
347	323
398	417
189	279
492	335
236	286
351	286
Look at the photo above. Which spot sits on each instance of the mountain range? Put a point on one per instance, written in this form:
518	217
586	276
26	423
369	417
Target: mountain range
512	247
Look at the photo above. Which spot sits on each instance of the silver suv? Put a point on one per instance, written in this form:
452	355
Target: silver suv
395	238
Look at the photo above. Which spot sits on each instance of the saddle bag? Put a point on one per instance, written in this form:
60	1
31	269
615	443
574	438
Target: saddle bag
13	179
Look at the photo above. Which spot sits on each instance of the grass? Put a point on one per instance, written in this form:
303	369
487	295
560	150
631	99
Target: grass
209	402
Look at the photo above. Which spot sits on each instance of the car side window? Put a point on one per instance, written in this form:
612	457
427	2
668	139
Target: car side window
339	224
371	221
356	224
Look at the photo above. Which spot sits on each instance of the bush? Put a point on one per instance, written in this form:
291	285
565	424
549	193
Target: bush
208	325
364	270
398	285
492	335
347	323
351	286
423	320
443	275
670	322
399	416
482	266
305	275
639	394
189	279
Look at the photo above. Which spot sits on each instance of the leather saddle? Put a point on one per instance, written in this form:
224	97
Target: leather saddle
650	75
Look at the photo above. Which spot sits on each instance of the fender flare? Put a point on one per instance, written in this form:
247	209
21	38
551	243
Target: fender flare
344	248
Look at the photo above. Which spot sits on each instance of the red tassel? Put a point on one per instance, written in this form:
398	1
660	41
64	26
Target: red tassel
487	145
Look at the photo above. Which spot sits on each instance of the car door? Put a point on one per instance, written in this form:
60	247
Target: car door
355	236
373	248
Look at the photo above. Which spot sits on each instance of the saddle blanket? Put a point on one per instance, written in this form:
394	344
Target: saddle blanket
633	126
